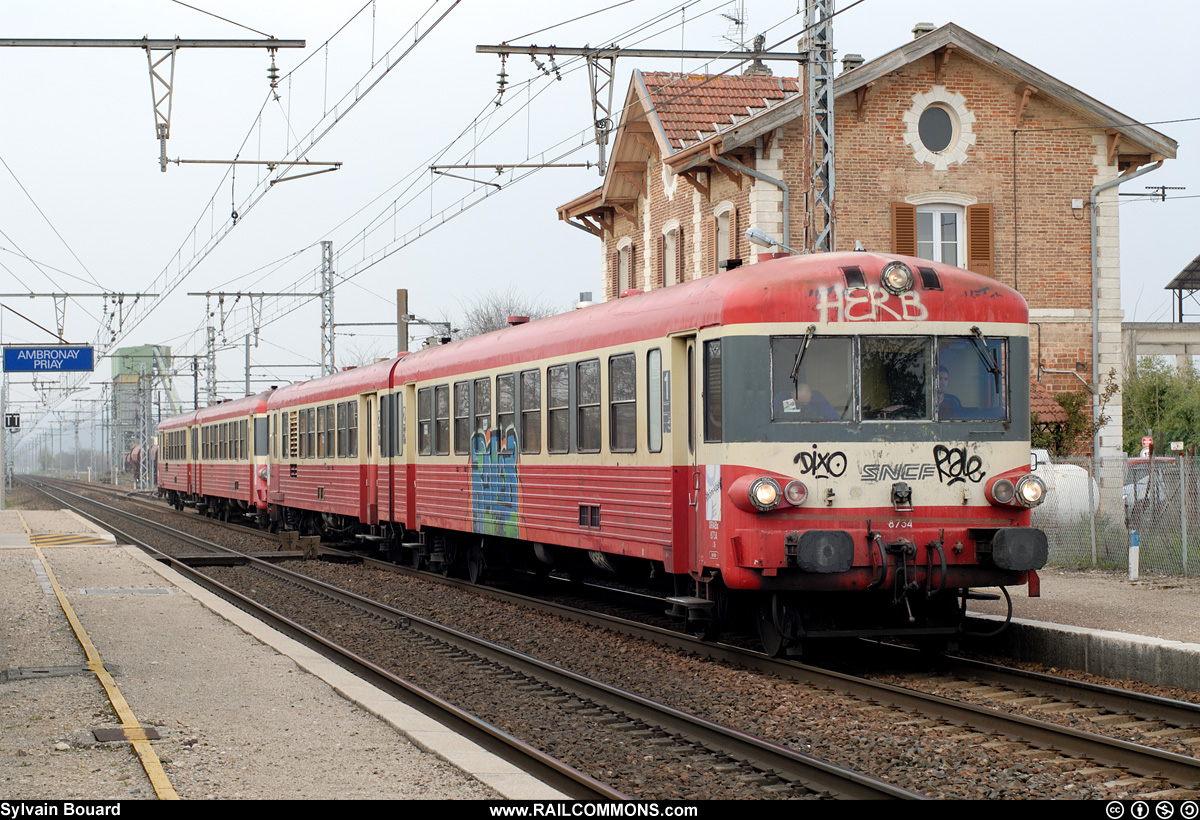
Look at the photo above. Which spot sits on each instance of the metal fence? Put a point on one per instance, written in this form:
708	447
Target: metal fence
1097	508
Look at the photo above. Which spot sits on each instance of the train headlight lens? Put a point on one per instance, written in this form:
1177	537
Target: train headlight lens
765	493
1003	491
262	473
1031	491
796	493
897	278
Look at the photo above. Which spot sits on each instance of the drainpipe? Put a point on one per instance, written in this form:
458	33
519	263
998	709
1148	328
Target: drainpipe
778	183
1096	298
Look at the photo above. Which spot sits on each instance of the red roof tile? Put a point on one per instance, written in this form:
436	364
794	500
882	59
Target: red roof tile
1041	401
705	103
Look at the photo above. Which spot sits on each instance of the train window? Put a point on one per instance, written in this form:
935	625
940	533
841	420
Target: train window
322	430
506	411
262	435
312	432
622	403
462	418
654	400
367	429
971	379
712	390
821	387
531	411
385	426
400	422
483	406
441	438
895	378
425	421
330	430
558	416
587	398
352	429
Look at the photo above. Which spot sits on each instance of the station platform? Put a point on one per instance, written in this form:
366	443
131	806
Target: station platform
103	649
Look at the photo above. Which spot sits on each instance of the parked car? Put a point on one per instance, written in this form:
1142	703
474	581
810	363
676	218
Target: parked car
1146	495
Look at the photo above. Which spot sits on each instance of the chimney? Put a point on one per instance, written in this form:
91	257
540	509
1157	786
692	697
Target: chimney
851	62
921	29
513	321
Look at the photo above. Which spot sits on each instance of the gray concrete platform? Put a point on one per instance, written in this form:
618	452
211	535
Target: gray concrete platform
239	710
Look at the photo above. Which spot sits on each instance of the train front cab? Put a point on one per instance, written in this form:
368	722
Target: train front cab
835	486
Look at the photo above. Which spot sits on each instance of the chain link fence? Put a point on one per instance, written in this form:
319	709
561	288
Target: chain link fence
1097	508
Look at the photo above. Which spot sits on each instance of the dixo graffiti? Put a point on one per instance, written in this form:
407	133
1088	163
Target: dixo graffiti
872	303
495	493
821	465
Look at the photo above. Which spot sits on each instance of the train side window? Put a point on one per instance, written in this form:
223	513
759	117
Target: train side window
506	411
367	429
531	411
384	431
425	421
558	409
342	438
895	378
587	402
622	403
330	430
654	400
244	439
322	429
400	424
262	436
462	418
483	406
712	390
312	432
441	438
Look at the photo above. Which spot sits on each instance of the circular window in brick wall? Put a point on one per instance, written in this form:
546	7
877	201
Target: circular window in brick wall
939	128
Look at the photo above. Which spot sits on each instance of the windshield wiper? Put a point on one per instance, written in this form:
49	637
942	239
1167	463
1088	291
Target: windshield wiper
808	334
988	356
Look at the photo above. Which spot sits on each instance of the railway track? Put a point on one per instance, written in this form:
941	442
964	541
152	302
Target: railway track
1015	720
627	738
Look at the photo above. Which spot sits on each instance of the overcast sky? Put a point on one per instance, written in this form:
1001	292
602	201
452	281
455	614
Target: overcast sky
82	195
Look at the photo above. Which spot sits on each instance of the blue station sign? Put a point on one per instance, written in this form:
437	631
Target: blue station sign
53	358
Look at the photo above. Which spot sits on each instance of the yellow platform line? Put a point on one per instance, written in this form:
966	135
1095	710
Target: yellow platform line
133	730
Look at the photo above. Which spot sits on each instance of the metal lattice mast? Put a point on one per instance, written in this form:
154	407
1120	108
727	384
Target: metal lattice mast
820	114
145	387
211	364
328	362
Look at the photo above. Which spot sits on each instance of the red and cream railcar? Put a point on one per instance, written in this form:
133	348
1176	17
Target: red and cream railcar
838	444
174	449
230	459
331	466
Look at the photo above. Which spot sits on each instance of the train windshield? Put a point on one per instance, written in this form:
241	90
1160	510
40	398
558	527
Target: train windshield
888	378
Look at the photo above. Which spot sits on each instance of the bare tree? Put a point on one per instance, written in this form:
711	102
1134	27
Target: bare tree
364	352
490	311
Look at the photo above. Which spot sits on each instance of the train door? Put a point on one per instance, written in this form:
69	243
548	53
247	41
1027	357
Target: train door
369	461
697	525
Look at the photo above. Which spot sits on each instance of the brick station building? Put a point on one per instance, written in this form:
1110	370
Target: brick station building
948	148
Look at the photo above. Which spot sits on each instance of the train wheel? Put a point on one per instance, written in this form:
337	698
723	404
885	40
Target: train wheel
770	636
476	563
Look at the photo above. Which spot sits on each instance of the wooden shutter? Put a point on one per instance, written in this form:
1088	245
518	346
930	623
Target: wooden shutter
904	229
613	264
679	255
634	282
733	233
712	245
980	240
660	271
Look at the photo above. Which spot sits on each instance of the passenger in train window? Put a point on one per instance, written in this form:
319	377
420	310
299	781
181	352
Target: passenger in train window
949	407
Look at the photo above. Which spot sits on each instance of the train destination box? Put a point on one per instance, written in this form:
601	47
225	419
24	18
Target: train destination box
58	358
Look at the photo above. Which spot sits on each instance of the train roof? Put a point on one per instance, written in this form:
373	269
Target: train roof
181	420
235	408
795	289
357	380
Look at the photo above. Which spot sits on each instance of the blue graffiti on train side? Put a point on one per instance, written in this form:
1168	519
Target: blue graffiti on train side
495	495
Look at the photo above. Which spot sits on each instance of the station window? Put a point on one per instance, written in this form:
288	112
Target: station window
531	411
587	398
622	403
558	408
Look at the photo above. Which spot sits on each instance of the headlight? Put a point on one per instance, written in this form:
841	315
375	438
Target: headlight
1031	491
795	492
1003	491
897	278
262	473
765	493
